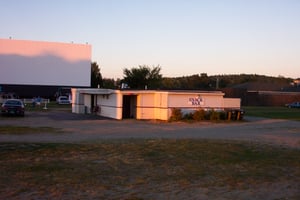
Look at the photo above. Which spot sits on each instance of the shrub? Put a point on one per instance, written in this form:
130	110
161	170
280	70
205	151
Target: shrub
214	115
188	116
223	115
199	115
176	114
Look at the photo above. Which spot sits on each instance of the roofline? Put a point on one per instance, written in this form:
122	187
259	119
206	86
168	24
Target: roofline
136	92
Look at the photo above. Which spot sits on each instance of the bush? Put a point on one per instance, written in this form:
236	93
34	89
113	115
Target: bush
199	115
214	115
176	114
223	115
188	116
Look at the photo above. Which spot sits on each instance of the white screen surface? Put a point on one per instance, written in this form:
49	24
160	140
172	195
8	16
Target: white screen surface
44	63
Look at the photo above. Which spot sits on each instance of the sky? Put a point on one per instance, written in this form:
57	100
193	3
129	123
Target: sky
183	37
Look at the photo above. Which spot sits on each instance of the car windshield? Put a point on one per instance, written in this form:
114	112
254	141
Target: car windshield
63	98
13	103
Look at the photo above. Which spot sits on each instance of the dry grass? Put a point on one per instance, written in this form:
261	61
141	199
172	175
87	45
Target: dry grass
143	169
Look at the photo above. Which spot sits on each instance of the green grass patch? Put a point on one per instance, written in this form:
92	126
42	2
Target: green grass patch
115	169
273	112
19	130
50	106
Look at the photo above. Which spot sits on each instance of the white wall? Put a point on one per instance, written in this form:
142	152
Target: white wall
87	99
44	63
110	105
188	102
232	103
213	101
77	101
161	106
195	100
145	106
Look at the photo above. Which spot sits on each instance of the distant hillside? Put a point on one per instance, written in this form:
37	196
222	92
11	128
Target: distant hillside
262	86
239	81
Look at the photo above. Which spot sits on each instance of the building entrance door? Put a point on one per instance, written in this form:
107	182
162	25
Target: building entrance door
129	106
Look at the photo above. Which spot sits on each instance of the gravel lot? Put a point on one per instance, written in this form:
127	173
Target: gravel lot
88	128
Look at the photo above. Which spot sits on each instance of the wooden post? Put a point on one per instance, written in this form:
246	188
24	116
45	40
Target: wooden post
229	115
238	115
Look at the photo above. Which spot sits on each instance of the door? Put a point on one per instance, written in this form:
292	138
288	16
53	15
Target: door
129	106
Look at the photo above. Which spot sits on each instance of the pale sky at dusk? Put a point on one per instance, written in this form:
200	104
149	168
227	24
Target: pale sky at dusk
184	37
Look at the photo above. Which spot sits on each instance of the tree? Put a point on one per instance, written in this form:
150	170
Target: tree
96	77
109	83
143	77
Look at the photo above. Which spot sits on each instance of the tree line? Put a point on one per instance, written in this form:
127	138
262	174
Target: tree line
145	77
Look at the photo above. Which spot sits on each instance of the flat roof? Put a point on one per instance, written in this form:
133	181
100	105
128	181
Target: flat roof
135	92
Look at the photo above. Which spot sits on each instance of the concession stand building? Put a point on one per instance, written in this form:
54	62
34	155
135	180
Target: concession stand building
146	104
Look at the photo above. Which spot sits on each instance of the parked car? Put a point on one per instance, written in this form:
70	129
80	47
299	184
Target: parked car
13	107
10	95
293	105
63	100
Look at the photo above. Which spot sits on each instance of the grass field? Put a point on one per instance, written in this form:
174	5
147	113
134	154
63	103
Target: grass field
149	169
49	106
273	112
141	169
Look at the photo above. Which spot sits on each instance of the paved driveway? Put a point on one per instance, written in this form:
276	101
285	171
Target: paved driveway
88	128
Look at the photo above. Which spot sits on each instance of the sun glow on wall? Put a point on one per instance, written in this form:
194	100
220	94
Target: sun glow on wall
44	63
